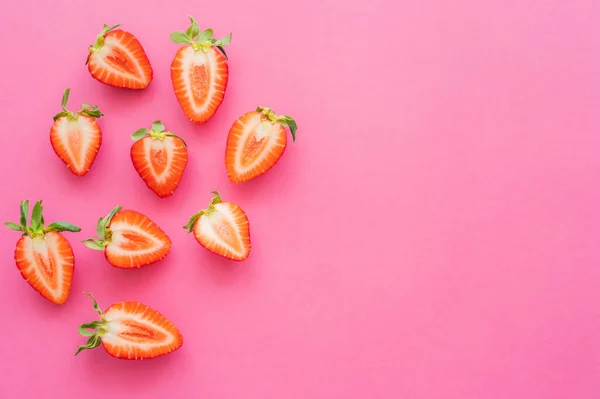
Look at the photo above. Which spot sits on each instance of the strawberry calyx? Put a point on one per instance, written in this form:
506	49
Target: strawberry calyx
36	227
85	109
211	208
100	40
269	115
103	231
156	133
204	40
97	327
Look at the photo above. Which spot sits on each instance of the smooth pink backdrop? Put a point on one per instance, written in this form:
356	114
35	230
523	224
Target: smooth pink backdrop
434	232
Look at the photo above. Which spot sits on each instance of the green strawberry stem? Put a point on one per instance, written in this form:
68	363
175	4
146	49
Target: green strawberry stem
85	109
211	208
283	119
97	327
156	133
36	227
204	40
103	231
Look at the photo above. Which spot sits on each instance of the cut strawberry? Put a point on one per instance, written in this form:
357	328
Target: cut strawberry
159	157
43	255
132	331
118	59
255	143
199	72
222	228
76	136
129	239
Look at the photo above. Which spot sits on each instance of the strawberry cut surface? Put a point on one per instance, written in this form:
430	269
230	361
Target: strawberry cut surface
224	232
43	255
132	331
76	137
118	59
46	263
254	146
135	241
76	142
199	81
160	163
223	228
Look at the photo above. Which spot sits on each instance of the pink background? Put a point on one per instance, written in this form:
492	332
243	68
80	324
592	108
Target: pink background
433	233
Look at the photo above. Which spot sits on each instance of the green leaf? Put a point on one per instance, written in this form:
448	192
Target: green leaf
63	226
139	134
93	342
13	226
112	213
83	329
206	35
217	199
190	224
96	307
92	243
193	30
36	217
289	122
174	135
224	41
107	29
157	126
65	99
100	228
90	110
180	38
59	115
24	212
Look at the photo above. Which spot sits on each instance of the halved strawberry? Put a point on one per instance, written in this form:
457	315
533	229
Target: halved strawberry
199	72
255	143
118	59
43	255
76	137
129	239
159	157
132	331
222	228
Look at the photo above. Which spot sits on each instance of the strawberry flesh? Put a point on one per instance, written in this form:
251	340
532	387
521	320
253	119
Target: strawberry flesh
160	163
135	241
76	142
119	60
199	81
135	331
254	145
46	263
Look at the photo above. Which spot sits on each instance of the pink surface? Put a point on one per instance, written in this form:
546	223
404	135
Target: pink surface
432	234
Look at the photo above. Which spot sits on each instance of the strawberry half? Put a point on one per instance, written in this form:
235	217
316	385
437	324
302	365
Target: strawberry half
159	157
222	228
129	239
132	331
199	72
118	59
76	136
255	143
44	257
